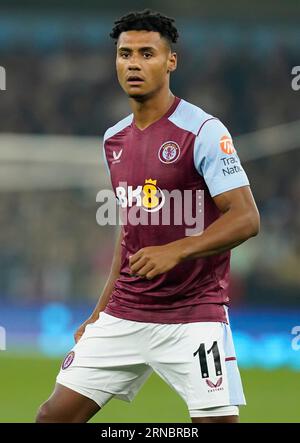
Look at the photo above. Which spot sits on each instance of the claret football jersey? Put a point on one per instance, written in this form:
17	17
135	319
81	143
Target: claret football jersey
164	178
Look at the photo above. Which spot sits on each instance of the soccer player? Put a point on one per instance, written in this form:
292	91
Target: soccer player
164	306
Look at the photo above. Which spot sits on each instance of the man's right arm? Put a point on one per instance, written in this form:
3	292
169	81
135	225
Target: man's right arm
108	288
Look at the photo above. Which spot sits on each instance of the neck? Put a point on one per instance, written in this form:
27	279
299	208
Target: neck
151	109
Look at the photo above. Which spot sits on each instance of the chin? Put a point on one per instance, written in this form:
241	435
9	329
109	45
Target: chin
139	95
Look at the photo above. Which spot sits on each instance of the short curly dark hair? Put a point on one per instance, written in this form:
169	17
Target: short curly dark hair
146	20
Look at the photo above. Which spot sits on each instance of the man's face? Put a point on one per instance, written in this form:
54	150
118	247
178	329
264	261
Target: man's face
144	62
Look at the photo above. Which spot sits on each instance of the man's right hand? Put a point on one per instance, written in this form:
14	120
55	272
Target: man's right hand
78	334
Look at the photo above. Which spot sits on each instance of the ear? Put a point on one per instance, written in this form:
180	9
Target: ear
172	62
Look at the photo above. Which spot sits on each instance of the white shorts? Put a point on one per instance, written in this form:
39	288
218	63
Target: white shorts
114	357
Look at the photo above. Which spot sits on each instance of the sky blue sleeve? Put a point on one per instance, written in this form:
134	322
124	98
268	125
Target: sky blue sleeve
104	155
215	158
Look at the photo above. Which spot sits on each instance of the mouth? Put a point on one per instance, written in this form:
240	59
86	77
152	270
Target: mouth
134	80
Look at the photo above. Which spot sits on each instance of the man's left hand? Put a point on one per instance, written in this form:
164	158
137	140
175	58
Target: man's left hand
154	260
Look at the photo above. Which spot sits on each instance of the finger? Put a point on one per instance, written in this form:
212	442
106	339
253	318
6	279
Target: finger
151	274
133	258
138	265
77	336
145	269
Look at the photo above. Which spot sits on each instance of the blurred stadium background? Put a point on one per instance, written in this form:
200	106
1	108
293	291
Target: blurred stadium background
61	94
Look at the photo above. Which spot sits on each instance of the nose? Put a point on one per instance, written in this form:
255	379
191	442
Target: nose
133	63
134	67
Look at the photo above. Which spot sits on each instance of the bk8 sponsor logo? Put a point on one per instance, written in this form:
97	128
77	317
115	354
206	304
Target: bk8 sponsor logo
144	196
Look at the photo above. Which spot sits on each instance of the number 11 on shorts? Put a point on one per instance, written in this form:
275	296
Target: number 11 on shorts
201	351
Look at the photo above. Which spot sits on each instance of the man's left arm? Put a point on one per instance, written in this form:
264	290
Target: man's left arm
239	221
230	190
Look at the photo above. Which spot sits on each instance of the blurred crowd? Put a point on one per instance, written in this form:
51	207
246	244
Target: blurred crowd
74	90
50	244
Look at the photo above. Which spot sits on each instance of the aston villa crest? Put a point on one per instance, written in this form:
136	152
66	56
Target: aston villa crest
169	152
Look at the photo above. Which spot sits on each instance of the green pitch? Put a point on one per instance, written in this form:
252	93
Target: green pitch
272	396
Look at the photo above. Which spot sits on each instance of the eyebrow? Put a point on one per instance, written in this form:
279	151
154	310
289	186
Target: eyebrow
144	48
